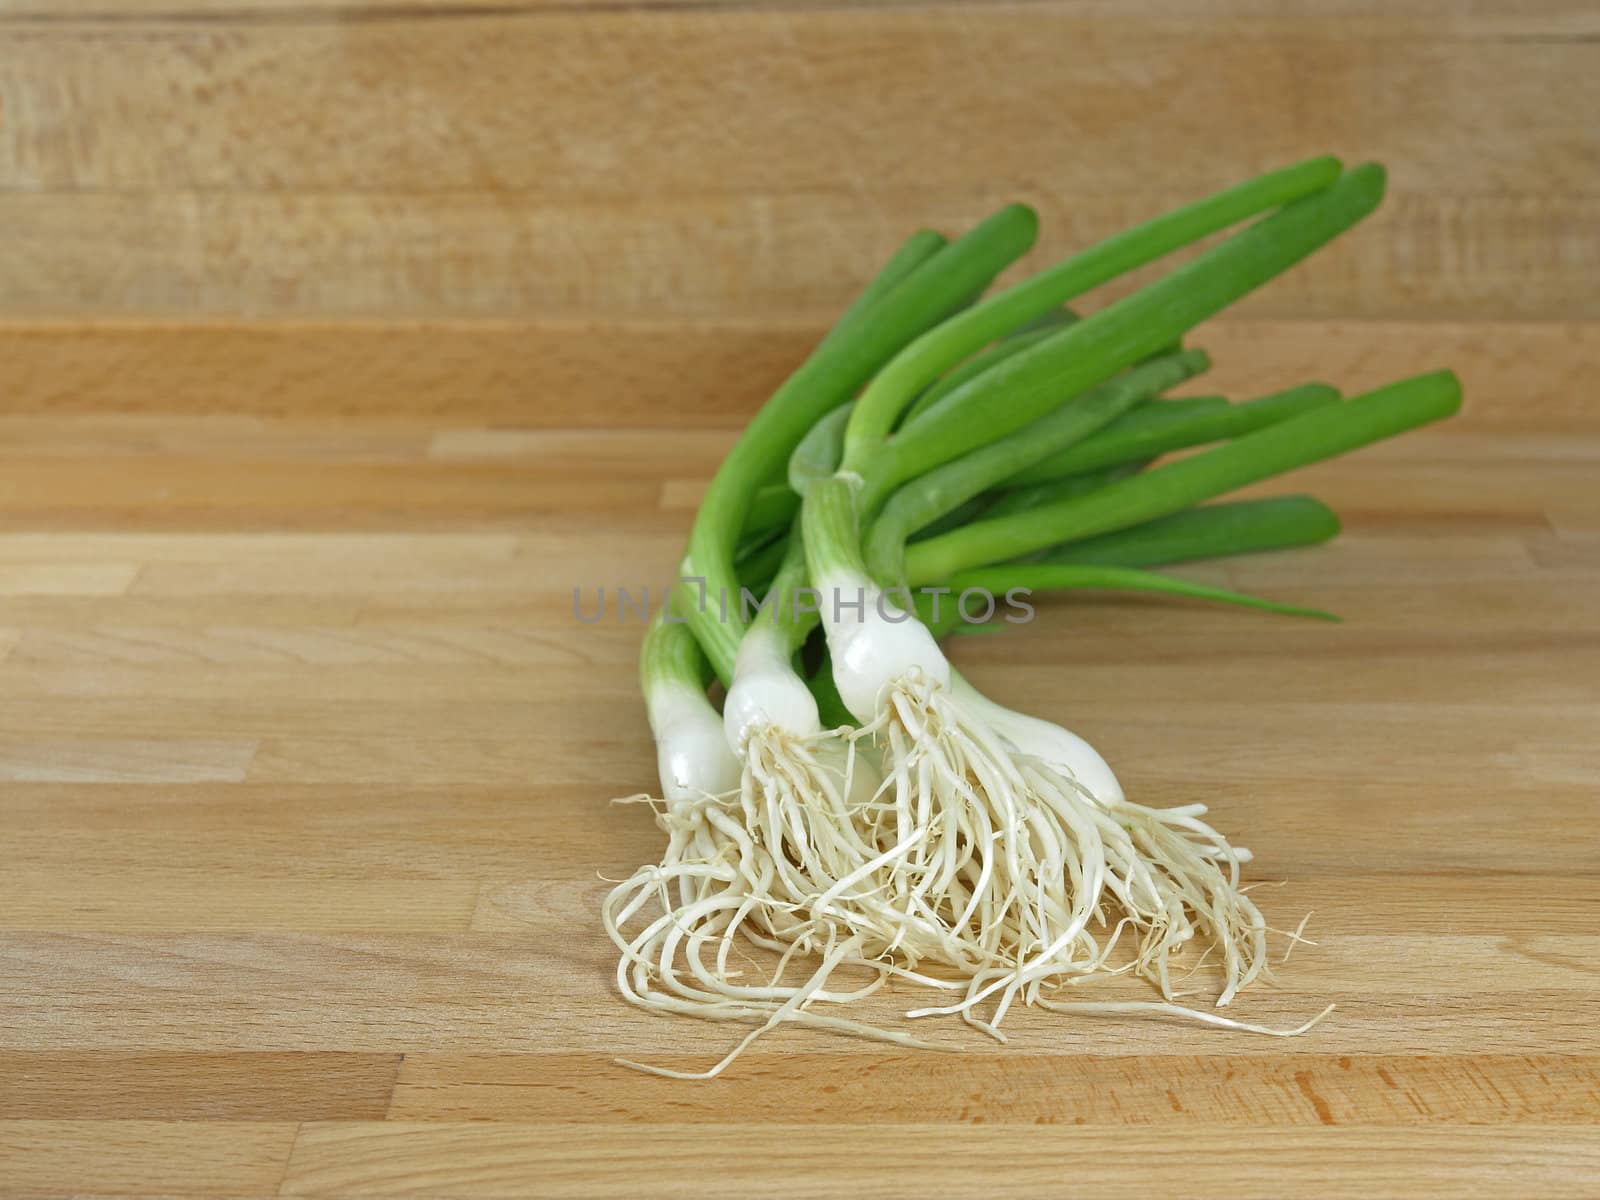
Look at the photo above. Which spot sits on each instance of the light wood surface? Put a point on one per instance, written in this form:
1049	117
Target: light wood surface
340	340
306	767
747	158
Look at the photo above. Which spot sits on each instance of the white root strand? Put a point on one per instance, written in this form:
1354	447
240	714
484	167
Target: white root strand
970	868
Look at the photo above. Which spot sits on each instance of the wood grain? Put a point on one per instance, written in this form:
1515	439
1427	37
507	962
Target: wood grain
1199	1092
341	340
1493	255
392	97
135	1157
508	389
195	1086
1373	18
577	1160
306	826
340	159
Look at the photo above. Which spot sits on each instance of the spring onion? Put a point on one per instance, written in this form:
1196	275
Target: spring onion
875	811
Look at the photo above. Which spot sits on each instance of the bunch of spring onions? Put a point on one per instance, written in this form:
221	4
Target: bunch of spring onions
858	810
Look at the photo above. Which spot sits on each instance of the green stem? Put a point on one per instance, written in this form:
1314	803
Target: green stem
830	705
817	455
670	655
930	496
775	504
772	507
1211	531
833	373
779	606
1027	499
758	566
998	581
1159	429
1312	437
913	252
962	514
935	353
1024	387
831	529
983	360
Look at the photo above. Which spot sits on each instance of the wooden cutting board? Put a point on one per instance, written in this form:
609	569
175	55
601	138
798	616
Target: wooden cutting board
341	341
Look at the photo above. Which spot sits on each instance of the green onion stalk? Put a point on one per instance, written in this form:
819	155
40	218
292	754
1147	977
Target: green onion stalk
923	282
943	839
713	877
